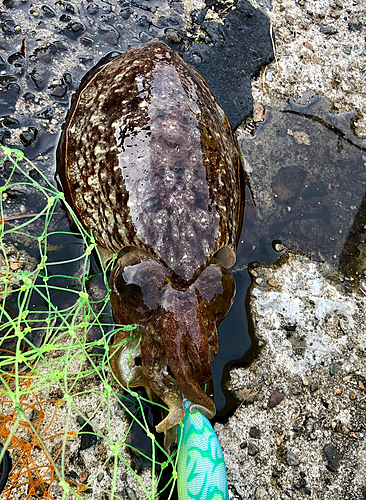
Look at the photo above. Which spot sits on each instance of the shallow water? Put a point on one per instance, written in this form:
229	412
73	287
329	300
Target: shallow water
308	176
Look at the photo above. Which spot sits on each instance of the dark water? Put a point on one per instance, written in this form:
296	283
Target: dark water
236	333
309	180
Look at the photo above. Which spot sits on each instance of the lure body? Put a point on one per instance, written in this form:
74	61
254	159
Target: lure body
201	466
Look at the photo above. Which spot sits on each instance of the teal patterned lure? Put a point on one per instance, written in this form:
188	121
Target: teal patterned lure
201	466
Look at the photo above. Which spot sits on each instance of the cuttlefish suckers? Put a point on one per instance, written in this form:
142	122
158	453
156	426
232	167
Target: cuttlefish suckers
148	162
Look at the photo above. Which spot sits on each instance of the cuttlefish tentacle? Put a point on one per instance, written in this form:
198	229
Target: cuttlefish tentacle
157	378
180	365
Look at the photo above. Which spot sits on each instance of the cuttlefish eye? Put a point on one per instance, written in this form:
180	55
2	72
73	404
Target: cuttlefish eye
136	283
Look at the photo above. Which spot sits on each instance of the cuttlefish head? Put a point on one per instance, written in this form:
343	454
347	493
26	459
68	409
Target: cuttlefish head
178	329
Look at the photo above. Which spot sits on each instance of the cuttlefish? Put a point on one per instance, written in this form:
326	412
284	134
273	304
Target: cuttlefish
148	162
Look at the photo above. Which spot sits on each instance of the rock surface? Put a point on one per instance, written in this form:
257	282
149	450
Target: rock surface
313	349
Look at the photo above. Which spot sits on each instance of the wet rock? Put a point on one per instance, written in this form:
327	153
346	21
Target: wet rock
59	90
227	61
347	49
57	46
243	445
29	97
126	13
86	59
275	399
40	77
290	328
172	35
45	113
68	7
28	136
110	36
143	22
9	27
18	63
255	433
88	438
65	18
4	134
92	9
86	41
34	174
333	457
48	11
43	54
67	78
73	474
252	449
14	193
292	459
10	121
8	98
5	79
74	29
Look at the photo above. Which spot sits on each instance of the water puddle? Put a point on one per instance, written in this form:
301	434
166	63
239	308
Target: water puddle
308	175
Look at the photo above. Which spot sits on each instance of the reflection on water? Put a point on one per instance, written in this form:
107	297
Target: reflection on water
308	175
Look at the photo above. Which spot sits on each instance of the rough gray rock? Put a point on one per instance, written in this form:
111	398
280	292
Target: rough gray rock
313	442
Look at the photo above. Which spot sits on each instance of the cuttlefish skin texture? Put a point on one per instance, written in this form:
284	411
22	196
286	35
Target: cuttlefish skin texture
148	162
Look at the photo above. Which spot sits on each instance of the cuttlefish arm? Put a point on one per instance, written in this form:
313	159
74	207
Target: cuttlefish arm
178	329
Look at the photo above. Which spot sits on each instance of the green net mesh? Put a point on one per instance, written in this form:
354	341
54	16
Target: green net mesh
69	427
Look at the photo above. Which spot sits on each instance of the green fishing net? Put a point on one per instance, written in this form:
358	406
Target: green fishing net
70	429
